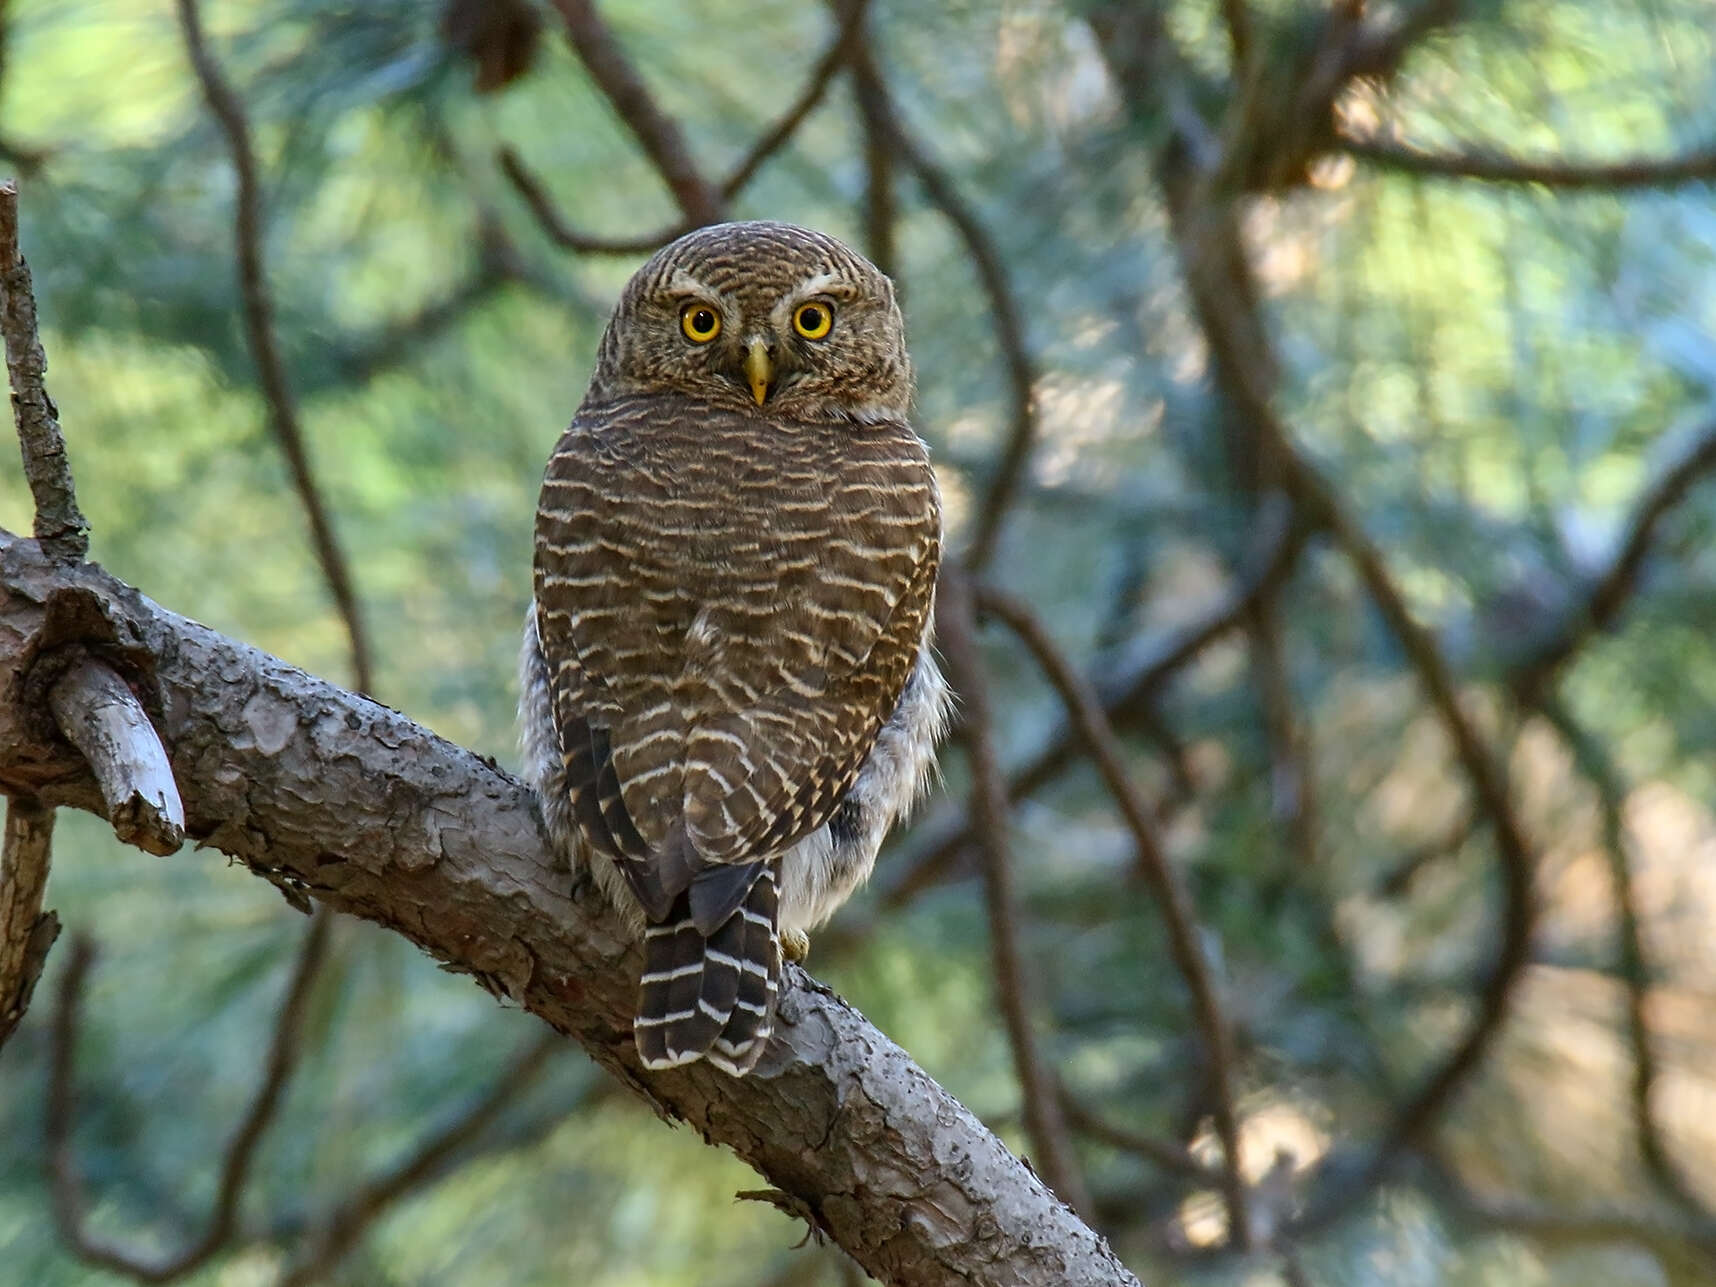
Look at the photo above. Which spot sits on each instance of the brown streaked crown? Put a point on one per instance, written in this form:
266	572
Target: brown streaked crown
754	275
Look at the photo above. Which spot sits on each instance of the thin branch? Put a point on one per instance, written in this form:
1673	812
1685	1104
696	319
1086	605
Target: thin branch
1282	123
1381	48
70	1206
1292	771
656	132
1553	1226
1530	675
1237	18
1128	689
101	716
1160	1153
840	49
1492	797
398	342
1244	362
956	631
1396	880
944	194
283	422
870	98
1695	166
560	231
1599	769
1178	916
289	1228
1206	222
345	1225
563	234
880	212
59	525
362	357
26	932
1610	592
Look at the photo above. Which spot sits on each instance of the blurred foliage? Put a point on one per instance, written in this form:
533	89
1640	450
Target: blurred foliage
1488	375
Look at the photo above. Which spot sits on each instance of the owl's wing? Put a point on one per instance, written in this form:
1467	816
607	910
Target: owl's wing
608	614
765	770
763	775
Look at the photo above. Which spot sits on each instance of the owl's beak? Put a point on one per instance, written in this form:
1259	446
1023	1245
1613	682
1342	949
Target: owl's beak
759	369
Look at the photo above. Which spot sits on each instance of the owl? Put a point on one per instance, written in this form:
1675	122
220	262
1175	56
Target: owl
728	693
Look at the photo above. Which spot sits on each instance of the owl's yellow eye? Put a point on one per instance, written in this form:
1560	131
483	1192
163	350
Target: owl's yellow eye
813	321
700	323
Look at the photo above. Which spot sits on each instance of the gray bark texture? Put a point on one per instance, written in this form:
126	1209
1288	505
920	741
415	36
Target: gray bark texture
100	715
335	798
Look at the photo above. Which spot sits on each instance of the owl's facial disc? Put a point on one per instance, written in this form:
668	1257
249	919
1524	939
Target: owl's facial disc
765	319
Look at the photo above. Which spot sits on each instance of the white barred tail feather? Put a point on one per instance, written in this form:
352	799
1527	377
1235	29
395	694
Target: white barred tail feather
711	997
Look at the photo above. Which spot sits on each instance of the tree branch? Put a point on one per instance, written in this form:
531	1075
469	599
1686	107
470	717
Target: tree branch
1160	1153
1125	691
1490	791
1396	880
561	232
1599	769
1564	1227
59	524
956	631
1205	208
258	308
1292	773
1178	917
70	1208
1609	594
1237	18
1695	166
850	22
656	132
1021	435
880	214
361	357
344	1226
26	932
328	794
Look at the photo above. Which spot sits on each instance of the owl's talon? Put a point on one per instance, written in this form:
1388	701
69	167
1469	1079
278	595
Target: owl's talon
795	945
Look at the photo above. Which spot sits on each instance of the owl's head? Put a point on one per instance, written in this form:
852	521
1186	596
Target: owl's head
767	318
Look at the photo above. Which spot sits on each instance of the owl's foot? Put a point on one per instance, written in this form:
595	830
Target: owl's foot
795	945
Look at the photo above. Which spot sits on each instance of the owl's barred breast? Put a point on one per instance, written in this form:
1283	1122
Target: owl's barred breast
713	574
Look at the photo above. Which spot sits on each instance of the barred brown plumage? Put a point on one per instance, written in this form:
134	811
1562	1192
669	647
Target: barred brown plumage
736	551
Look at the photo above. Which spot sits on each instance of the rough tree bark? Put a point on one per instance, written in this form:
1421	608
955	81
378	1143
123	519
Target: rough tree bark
336	798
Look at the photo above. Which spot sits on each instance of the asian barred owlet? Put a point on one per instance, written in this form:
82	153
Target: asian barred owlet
728	693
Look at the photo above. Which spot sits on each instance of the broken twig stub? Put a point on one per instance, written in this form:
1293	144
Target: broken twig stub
101	716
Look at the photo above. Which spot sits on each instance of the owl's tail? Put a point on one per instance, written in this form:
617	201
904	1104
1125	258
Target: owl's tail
711	998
